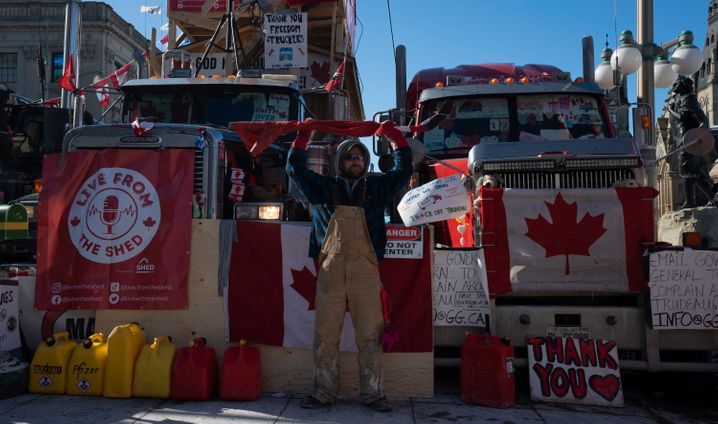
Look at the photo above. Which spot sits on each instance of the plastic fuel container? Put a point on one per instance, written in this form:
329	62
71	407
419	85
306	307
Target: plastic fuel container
123	346
487	371
194	372
240	373
87	367
48	369
153	369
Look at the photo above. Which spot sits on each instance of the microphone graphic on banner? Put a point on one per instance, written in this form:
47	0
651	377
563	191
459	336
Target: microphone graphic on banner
110	213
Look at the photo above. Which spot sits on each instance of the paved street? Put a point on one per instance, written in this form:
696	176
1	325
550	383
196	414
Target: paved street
649	399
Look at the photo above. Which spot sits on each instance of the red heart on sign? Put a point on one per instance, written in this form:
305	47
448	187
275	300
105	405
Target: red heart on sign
606	386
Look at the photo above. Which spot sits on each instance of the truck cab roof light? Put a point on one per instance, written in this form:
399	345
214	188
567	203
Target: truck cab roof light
524	80
509	80
494	81
439	85
579	79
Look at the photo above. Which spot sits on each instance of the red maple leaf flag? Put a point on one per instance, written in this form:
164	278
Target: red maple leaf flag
67	82
119	76
272	286
337	78
101	90
304	282
582	239
565	236
280	310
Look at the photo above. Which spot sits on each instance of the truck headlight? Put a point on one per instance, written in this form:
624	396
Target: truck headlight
270	212
258	211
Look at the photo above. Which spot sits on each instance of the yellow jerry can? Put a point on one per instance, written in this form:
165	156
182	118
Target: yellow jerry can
48	369
123	345
153	370
87	367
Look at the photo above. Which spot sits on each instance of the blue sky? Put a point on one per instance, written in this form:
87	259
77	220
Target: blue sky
453	32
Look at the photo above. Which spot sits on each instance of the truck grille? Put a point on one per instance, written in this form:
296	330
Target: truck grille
198	182
602	178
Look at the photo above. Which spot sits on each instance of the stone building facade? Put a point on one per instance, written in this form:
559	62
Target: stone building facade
706	87
26	28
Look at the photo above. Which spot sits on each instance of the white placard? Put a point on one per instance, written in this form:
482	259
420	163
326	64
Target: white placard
285	40
684	289
568	370
213	64
438	200
404	242
265	114
459	288
9	316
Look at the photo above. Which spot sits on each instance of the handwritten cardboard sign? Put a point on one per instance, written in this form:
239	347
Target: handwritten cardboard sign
460	289
285	40
438	200
684	289
570	370
9	316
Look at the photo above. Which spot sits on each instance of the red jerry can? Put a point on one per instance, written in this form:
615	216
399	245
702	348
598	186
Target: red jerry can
487	371
194	372
240	373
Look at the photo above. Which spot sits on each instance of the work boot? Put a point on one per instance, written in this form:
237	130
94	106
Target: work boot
310	402
379	405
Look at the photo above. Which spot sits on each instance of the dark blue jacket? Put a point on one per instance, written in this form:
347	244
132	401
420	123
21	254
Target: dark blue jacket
373	193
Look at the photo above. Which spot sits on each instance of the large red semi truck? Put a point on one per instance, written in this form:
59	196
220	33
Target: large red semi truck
561	211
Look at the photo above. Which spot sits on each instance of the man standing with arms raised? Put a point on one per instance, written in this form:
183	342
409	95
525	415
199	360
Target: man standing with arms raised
348	239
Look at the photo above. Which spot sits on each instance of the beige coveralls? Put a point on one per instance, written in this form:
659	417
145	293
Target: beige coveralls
348	275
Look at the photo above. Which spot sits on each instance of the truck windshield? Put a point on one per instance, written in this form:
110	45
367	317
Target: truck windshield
210	105
521	117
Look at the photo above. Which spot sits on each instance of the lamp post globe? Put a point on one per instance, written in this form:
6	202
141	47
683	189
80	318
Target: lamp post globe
686	61
687	58
603	74
663	73
627	57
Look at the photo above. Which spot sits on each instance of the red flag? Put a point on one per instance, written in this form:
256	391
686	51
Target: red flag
67	82
337	78
272	285
544	239
119	76
110	235
259	135
102	91
116	79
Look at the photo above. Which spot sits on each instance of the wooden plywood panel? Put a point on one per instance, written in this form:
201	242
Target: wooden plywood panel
205	315
405	374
